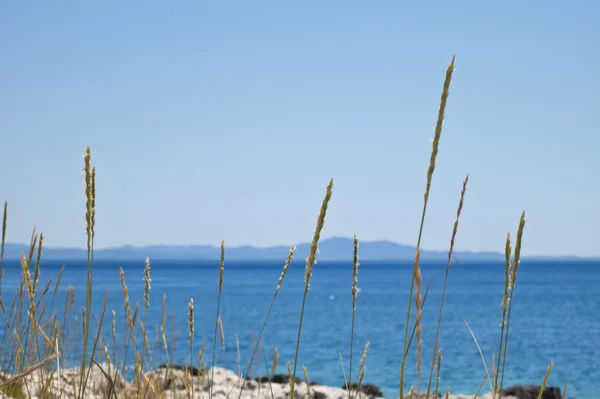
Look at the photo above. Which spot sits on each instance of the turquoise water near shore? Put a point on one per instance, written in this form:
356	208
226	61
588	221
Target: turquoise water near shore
555	316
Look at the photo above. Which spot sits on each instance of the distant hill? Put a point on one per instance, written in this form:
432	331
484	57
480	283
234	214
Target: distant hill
329	249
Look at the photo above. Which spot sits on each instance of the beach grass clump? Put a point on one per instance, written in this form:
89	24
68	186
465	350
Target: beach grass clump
39	336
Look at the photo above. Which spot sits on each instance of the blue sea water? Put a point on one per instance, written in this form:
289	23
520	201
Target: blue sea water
555	317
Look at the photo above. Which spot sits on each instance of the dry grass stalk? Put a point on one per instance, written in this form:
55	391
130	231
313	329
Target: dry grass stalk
4	217
128	315
450	252
191	331
354	298
419	310
307	381
147	287
505	299
163	326
437	377
32	245
238	359
191	323
362	369
286	266
361	366
221	274
130	319
346	384
36	271
507	278
90	218
143	327
221	332
12	379
545	381
114	333
27	280
111	383
487	373
268	374
310	261
416	269
515	268
275	360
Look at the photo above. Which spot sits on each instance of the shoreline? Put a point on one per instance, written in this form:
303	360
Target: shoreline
187	382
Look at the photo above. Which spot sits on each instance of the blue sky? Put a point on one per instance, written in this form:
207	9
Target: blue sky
214	120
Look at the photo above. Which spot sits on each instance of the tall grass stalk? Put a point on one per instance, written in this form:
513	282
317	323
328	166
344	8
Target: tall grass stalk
286	266
269	374
90	219
564	395
147	288
514	271
310	261
415	280
354	297
487	372
545	381
307	381
275	360
346	383
25	289
130	319
437	376
450	251
221	273
505	299
191	330
222	340
362	369
5	215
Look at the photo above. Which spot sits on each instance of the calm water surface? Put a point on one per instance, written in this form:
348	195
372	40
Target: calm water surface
556	316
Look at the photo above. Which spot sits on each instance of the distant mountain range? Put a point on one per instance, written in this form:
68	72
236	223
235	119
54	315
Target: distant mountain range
329	249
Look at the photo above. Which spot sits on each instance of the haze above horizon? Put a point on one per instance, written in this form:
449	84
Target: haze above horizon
210	123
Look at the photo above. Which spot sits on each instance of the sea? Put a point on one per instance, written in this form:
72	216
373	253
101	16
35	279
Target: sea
555	317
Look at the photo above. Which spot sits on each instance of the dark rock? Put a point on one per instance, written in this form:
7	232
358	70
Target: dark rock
319	395
368	389
277	379
190	369
532	392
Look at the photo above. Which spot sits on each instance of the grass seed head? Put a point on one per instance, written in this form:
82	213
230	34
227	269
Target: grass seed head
355	274
314	248
191	323
147	287
285	268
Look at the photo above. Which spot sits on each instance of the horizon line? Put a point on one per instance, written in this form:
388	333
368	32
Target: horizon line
268	247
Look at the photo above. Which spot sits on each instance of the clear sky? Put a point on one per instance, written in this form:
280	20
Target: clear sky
215	120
